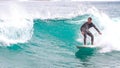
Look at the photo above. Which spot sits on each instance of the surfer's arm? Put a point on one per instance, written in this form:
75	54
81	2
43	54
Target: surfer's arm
96	29
83	27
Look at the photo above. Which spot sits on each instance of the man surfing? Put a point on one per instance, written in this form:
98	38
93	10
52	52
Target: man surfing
85	30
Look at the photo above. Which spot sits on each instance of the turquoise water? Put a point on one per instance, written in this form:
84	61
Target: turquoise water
50	42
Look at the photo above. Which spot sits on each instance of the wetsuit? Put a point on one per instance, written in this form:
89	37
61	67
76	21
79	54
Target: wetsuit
85	28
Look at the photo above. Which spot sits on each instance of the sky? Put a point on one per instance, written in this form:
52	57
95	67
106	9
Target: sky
85	0
59	0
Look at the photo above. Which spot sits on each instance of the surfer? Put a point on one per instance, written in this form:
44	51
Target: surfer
85	30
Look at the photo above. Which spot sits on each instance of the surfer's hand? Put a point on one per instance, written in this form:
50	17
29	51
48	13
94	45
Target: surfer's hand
82	32
100	33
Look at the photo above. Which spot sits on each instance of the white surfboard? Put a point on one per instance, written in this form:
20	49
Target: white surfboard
86	46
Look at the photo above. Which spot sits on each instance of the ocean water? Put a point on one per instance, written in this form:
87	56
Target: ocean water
45	35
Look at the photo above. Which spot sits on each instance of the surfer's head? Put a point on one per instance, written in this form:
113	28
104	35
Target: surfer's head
89	20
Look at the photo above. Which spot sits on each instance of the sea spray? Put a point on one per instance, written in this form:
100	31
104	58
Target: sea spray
15	27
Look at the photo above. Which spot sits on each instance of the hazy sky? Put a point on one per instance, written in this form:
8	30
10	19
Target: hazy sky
85	0
59	0
82	0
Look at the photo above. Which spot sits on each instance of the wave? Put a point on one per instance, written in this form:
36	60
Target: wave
67	30
16	19
60	23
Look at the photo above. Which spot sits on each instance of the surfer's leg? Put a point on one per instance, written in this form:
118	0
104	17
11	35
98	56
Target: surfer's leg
85	36
92	37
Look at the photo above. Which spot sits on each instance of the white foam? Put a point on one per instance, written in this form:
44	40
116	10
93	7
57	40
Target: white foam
14	27
111	35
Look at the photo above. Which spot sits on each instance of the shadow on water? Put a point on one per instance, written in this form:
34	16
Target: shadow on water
84	54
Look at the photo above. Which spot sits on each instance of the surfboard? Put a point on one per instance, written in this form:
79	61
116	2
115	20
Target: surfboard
86	46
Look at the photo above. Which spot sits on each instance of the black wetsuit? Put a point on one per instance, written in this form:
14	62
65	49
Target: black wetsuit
85	28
